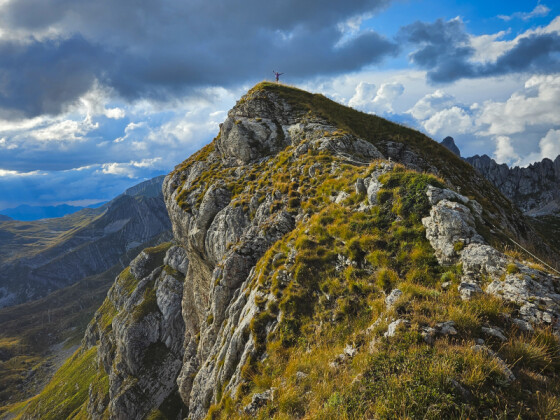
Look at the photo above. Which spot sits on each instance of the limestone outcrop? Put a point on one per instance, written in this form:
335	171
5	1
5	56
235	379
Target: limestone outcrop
224	240
451	230
139	330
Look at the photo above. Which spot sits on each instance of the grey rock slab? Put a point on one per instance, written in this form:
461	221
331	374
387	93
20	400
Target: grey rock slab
373	188
392	298
449	223
176	258
468	290
523	325
494	332
360	186
258	400
446	328
393	326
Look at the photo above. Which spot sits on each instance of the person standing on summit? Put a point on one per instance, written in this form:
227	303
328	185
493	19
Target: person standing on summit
277	75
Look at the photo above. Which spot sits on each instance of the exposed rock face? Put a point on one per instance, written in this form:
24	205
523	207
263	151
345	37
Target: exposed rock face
139	330
449	143
450	224
401	153
534	189
79	245
224	240
392	298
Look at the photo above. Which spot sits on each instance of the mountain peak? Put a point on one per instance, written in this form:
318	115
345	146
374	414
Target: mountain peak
309	228
534	189
270	118
449	143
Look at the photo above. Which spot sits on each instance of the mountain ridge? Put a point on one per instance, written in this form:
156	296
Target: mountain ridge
325	263
26	213
44	255
535	189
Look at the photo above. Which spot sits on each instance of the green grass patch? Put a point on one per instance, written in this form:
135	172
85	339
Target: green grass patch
68	390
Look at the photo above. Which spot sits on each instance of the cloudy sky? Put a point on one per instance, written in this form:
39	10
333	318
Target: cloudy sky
96	96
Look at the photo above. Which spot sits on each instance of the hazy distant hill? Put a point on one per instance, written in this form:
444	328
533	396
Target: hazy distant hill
27	213
38	257
150	188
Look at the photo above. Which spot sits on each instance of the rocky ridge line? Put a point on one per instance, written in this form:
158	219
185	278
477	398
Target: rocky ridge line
535	189
451	230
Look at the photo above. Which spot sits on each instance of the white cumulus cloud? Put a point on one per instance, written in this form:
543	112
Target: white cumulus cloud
368	98
550	144
365	92
127	169
451	120
431	104
505	152
537	104
65	130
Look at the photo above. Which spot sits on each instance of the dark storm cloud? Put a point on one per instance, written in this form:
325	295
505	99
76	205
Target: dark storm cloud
41	76
161	49
536	53
444	50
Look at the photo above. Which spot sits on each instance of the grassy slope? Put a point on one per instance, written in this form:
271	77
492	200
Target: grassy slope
324	309
452	169
28	331
549	228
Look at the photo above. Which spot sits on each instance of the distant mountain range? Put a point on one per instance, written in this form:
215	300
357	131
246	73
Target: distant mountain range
534	189
39	257
27	213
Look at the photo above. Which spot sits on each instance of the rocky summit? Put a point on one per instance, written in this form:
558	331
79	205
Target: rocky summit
449	143
326	263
